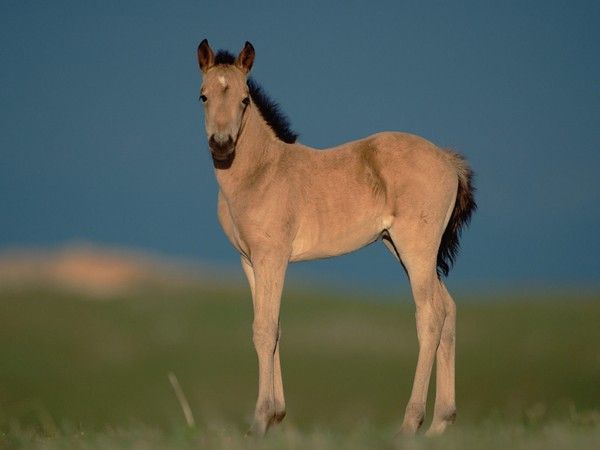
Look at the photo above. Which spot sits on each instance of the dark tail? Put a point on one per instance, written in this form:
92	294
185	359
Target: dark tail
464	207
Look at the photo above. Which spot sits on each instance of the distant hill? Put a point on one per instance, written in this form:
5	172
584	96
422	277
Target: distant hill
99	271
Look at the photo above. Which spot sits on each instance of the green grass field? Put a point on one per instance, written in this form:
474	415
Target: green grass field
92	374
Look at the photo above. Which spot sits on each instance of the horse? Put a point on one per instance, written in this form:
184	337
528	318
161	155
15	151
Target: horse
281	201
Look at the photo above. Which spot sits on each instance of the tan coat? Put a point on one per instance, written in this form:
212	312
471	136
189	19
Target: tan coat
282	202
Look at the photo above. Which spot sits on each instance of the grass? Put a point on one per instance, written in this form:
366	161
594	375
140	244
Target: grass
81	373
552	436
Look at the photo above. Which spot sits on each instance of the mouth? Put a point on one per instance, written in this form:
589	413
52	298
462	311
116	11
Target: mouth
221	149
221	154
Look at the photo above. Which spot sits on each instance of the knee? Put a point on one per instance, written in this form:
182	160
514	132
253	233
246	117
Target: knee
446	299
264	335
430	316
449	329
450	307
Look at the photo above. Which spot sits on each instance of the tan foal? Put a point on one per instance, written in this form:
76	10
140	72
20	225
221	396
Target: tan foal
281	201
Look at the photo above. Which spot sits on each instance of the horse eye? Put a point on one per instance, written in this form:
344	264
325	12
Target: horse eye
203	98
246	101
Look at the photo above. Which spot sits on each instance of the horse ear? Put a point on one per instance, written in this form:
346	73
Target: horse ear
206	57
246	57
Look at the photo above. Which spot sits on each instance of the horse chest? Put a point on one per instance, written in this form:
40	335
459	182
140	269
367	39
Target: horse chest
249	228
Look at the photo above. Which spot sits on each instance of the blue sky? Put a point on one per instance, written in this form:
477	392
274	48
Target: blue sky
101	133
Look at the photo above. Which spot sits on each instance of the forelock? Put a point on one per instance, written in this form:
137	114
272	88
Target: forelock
224	57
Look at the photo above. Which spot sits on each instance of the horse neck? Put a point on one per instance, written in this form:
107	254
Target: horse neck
257	150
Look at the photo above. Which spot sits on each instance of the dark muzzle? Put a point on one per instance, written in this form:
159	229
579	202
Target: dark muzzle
221	147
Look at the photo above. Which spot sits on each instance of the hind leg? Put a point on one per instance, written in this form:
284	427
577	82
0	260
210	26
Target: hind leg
444	411
418	251
429	319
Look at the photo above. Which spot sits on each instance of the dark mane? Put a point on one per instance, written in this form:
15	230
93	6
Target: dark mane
268	108
224	57
272	114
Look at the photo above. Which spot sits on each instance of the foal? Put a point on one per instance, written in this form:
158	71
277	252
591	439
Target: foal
281	201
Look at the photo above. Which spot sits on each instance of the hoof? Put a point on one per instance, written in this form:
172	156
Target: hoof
262	423
434	431
407	431
439	424
256	430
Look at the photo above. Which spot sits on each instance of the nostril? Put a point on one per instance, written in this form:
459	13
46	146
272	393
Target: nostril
221	139
220	143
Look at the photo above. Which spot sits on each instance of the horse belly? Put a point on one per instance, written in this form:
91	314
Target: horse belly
318	242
